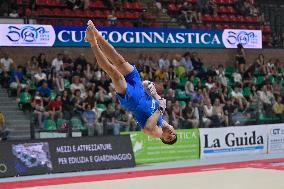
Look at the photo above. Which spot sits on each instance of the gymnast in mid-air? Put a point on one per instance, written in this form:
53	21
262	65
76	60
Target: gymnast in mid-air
140	98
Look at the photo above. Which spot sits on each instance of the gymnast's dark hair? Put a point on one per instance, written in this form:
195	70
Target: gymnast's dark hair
170	142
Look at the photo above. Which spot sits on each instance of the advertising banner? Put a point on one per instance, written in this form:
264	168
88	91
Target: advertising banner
232	141
275	138
152	150
73	36
64	155
26	35
162	38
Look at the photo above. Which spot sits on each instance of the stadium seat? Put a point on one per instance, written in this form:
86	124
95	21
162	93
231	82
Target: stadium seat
207	18
195	81
220	2
216	18
260	80
41	2
79	13
49	125
218	26
19	2
97	4
266	29
136	5
208	26
155	25
248	19
229	71
77	124
101	106
182	104
232	18
172	8
231	2
45	12
60	122
119	14
240	18
127	24
231	10
246	91
57	12
126	5
51	3
68	13
224	18
77	23
28	12
182	82
222	10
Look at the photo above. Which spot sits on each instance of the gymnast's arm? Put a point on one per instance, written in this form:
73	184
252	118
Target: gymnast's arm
151	127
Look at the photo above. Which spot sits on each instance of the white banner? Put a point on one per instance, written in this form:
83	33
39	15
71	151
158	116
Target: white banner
231	141
26	35
276	138
248	38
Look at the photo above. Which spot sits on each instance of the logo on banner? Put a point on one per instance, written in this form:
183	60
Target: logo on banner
248	38
3	168
231	140
276	131
26	35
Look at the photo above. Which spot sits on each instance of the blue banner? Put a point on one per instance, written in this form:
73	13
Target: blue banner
73	36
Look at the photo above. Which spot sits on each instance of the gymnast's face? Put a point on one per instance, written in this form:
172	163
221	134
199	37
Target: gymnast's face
169	133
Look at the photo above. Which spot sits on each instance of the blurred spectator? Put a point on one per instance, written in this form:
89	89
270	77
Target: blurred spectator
218	110
112	19
108	119
278	108
90	118
240	58
176	115
229	110
32	66
238	96
14	13
39	110
17	79
42	63
6	63
45	92
186	62
210	7
81	60
190	116
266	98
40	76
57	63
90	99
67	63
189	87
55	108
3	131
77	85
77	102
122	119
76	4
67	107
164	62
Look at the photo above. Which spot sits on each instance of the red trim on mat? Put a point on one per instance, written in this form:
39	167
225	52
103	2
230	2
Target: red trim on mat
133	174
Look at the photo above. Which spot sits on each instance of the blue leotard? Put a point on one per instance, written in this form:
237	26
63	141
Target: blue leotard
137	101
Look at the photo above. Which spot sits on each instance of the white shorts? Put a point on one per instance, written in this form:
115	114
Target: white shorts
14	85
